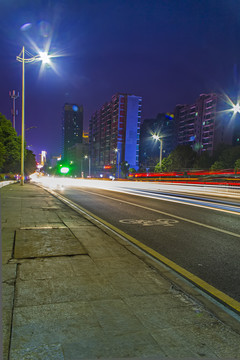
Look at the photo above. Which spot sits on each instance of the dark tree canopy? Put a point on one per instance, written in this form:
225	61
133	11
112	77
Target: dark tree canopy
10	150
10	147
184	157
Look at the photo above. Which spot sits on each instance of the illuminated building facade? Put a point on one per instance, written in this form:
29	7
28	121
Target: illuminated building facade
203	125
72	129
163	126
43	157
114	132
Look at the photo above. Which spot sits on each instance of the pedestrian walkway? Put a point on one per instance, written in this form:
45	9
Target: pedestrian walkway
71	291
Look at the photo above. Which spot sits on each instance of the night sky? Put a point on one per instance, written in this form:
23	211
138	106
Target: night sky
167	51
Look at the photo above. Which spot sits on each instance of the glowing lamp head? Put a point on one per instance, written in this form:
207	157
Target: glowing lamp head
156	137
44	57
236	108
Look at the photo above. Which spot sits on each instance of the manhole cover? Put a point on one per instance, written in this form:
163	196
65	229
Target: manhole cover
44	242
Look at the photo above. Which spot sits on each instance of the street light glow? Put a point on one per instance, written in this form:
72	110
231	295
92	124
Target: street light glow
44	57
156	137
236	108
233	108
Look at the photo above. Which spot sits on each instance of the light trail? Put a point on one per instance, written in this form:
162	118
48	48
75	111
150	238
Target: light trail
167	214
152	190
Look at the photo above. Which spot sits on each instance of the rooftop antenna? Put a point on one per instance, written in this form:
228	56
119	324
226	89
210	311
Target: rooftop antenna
14	96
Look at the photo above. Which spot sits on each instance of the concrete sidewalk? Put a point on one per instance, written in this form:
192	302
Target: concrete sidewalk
71	291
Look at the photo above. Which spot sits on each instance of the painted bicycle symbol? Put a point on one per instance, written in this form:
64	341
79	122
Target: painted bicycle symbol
162	222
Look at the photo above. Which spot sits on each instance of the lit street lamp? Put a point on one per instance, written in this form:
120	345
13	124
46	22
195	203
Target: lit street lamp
42	56
156	137
89	164
236	108
117	151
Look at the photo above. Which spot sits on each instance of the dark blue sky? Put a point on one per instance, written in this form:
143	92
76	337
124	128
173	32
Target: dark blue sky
167	51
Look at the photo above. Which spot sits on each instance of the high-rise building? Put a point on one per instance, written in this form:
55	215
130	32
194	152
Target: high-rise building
43	157
204	124
114	133
72	129
163	126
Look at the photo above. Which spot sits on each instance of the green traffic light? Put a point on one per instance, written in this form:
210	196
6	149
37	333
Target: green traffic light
64	170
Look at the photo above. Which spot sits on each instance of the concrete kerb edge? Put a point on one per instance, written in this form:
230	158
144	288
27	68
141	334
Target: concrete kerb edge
214	307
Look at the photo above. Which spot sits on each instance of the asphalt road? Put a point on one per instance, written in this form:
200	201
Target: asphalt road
186	229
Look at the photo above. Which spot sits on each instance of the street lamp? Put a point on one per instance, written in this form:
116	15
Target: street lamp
89	164
236	108
42	56
117	151
156	137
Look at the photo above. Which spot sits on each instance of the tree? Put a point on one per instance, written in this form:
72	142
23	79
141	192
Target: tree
237	165
2	154
114	169
203	161
217	165
30	162
220	149
10	147
125	168
225	157
166	165
183	157
229	156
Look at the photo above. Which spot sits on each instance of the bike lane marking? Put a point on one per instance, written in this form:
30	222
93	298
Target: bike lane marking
167	214
161	222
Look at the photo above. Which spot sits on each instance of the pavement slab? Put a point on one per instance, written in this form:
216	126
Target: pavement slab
71	291
43	242
127	346
42	352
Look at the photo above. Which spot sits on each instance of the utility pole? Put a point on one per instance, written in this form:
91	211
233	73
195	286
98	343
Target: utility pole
14	96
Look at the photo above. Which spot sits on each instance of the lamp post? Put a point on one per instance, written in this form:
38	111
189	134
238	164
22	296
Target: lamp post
117	151
43	56
89	165
156	137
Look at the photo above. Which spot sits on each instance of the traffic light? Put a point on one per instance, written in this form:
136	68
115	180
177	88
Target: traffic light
64	170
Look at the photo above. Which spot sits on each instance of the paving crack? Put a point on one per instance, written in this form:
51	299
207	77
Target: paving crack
13	306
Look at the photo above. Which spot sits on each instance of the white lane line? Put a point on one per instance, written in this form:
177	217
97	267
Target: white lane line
167	214
193	202
176	199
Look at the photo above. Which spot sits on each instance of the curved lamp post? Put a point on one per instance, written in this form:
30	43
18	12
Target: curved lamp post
156	137
42	56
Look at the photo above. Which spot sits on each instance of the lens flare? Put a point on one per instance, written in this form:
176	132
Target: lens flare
44	57
26	27
236	108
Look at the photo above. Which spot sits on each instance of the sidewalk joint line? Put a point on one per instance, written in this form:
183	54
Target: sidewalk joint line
13	307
